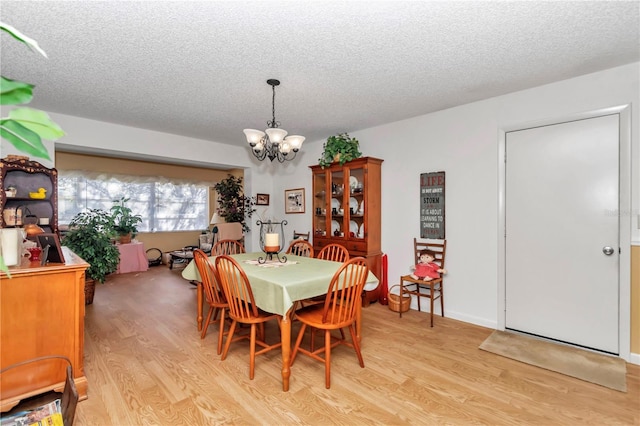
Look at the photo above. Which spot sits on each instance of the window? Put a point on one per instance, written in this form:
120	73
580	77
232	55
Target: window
163	205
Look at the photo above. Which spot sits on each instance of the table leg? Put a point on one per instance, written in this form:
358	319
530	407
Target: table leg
285	336
199	293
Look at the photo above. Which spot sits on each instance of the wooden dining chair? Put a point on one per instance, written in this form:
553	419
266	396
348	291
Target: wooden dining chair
213	294
434	288
243	310
335	252
227	247
300	248
339	310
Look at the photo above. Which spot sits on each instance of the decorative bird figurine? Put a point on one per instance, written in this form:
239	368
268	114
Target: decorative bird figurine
42	193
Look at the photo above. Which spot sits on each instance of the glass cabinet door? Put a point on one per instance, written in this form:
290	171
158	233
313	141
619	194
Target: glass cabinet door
355	200
320	202
337	202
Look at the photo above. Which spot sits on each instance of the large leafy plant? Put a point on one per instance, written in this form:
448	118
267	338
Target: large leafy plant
89	237
234	206
341	148
24	127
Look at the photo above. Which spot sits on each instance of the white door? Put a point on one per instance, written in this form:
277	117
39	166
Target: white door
562	234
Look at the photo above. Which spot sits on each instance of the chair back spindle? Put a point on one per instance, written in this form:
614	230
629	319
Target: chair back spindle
334	252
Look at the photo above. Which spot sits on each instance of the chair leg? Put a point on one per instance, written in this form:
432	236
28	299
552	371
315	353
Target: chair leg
356	345
401	292
297	345
441	301
431	293
327	358
252	352
206	323
232	331
418	291
221	333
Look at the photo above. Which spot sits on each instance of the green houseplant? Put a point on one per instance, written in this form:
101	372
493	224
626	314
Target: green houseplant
124	221
234	206
89	238
341	148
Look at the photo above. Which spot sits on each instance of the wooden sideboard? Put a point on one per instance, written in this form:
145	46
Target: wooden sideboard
42	313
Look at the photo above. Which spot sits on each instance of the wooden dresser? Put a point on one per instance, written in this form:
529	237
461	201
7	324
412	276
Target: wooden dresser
42	313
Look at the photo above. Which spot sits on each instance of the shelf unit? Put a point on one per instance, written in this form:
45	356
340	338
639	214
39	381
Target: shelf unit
346	210
27	176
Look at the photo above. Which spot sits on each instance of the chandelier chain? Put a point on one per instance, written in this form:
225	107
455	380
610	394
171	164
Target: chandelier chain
273	123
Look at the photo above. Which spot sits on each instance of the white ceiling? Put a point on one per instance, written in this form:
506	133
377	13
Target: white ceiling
199	68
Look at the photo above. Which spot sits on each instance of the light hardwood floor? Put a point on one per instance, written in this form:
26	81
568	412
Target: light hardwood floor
146	365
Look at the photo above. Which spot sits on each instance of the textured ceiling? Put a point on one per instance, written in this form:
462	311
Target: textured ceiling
199	68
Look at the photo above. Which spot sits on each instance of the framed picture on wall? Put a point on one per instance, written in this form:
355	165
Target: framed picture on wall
262	199
294	200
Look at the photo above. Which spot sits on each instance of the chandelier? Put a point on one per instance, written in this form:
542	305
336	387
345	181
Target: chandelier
272	142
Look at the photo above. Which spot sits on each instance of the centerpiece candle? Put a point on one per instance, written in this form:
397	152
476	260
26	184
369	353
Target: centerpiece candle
272	240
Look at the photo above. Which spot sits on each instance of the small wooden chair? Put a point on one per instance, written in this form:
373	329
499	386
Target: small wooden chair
213	294
243	309
339	310
300	248
227	247
435	286
303	235
334	252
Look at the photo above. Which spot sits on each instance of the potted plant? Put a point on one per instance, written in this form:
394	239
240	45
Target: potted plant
234	206
340	148
124	221
88	237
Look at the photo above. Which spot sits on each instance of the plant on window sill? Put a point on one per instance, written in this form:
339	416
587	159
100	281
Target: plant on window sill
124	221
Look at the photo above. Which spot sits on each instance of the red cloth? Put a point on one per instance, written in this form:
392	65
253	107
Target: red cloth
427	270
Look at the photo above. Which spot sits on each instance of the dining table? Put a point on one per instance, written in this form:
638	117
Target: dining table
277	285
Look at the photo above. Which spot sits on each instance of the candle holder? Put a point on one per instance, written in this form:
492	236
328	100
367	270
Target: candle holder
271	240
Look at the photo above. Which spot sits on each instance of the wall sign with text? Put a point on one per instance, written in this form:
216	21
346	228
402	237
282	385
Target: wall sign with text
432	205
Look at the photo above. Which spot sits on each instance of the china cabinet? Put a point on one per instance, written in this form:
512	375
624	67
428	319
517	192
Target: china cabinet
29	192
346	210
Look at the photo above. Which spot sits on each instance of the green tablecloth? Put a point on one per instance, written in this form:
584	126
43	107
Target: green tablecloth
276	288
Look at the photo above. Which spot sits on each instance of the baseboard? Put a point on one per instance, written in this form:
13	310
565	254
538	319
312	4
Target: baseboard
634	359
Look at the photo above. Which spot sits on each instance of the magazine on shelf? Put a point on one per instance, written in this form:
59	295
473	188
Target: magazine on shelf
49	414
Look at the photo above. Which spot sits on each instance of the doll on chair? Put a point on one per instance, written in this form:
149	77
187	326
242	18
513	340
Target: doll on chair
427	269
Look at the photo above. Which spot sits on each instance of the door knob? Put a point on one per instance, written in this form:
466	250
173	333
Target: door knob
607	250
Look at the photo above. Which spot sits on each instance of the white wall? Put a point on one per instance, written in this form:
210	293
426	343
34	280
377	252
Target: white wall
463	141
